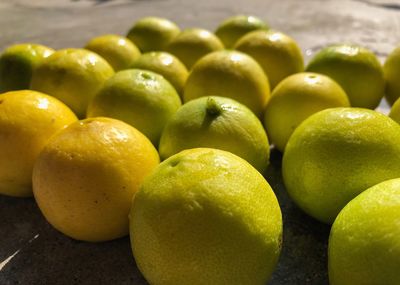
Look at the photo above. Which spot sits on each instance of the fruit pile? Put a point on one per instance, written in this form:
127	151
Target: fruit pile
83	130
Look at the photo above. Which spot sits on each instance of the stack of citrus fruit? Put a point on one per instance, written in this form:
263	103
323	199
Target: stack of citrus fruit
206	214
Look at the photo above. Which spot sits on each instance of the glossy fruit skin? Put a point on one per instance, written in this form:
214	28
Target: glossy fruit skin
364	240
119	52
295	99
86	176
356	69
336	154
278	54
18	62
153	33
233	28
73	76
197	213
391	70
28	119
192	44
138	97
216	122
229	74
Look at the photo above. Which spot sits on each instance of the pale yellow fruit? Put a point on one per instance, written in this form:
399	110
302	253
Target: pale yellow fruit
86	176
27	121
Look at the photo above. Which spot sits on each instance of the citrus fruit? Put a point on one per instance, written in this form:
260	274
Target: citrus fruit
166	65
233	28
73	76
205	216
391	70
336	154
17	64
356	69
216	122
153	33
364	240
86	176
278	54
296	98
140	98
395	111
229	74
120	52
192	44
27	120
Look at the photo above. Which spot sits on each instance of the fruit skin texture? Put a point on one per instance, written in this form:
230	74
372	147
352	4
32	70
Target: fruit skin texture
356	69
233	28
153	33
205	216
73	76
295	99
119	52
192	44
86	176
364	244
17	64
166	65
138	97
391	70
27	121
217	122
278	54
336	154
229	74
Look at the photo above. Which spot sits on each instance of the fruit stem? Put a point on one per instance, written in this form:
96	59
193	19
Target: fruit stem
212	107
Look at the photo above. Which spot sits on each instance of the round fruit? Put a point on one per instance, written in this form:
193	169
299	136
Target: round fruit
18	62
229	74
336	154
140	98
395	111
120	52
217	122
356	69
205	216
166	65
192	44
233	28
27	120
391	70
86	176
73	76
278	54
153	33
295	99
364	241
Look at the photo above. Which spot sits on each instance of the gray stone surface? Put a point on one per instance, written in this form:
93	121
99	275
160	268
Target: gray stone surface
31	252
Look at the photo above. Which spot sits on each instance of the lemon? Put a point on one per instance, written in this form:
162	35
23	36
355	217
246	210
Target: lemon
233	28
364	240
120	52
336	154
73	76
356	69
229	74
166	65
391	70
192	44
217	122
205	216
86	176
278	54
17	64
296	98
140	98
27	120
395	111
153	33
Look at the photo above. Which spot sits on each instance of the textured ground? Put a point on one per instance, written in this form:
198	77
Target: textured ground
31	252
